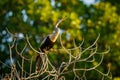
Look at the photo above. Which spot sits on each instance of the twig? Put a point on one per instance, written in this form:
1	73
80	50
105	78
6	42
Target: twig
31	45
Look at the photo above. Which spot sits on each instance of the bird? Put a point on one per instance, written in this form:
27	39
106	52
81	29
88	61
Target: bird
47	43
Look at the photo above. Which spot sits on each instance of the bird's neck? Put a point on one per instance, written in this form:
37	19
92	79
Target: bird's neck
54	35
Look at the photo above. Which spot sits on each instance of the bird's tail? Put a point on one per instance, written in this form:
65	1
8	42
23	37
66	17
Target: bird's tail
39	62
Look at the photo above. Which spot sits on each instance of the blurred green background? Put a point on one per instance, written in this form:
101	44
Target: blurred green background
85	20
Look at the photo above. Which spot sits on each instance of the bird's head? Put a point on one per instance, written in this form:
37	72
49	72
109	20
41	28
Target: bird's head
59	21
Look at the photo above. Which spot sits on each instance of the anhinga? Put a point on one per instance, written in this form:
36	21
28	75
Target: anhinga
47	44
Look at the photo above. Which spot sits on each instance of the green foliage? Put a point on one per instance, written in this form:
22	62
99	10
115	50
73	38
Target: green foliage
38	17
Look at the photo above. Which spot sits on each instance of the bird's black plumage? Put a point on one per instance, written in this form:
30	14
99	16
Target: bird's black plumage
47	45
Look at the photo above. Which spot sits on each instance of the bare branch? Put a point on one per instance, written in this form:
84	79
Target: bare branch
49	71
